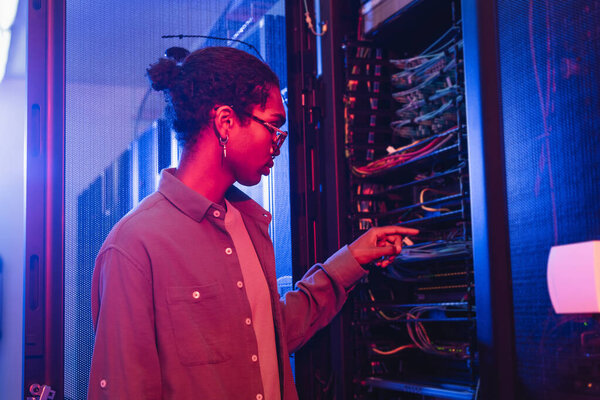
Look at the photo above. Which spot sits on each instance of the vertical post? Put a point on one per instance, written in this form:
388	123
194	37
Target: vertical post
340	17
301	72
44	316
491	250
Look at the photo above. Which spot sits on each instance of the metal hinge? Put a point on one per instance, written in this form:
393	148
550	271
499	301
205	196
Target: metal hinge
41	392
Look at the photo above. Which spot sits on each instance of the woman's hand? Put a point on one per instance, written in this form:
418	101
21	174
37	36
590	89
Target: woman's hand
383	241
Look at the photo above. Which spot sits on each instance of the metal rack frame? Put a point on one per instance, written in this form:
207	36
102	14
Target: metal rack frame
452	155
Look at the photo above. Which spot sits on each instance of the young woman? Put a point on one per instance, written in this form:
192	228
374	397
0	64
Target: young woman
184	294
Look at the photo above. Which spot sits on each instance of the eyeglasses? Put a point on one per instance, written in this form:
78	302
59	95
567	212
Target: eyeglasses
280	135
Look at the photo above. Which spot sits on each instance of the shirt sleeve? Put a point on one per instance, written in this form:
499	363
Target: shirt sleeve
319	296
125	361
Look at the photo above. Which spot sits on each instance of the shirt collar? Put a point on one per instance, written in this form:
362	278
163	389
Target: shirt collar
196	206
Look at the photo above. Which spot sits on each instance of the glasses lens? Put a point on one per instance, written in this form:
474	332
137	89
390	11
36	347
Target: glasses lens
279	140
280	135
271	129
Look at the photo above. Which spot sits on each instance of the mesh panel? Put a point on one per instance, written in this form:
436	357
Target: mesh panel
114	143
549	54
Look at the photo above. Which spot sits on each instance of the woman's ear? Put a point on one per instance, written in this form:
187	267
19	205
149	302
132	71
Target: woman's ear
224	118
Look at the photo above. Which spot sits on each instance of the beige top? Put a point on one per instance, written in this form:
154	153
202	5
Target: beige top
260	302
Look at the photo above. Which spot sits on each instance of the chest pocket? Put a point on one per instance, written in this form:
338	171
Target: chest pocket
200	323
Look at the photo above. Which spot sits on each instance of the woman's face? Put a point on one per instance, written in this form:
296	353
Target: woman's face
250	148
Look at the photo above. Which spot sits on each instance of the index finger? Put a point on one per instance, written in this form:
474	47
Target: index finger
395	230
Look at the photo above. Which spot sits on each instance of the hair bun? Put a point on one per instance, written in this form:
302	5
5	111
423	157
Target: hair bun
163	73
177	53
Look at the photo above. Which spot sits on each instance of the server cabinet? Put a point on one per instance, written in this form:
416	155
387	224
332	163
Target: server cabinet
358	105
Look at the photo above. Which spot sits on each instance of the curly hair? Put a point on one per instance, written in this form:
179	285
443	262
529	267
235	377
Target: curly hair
206	78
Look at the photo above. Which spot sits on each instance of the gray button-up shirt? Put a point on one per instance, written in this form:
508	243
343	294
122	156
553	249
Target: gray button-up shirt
168	296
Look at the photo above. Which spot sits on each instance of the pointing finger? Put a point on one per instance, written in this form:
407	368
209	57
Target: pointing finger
383	231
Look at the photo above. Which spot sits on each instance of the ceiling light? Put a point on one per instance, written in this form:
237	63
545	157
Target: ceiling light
8	11
4	46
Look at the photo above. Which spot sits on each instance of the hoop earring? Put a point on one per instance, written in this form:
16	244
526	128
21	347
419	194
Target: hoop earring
223	142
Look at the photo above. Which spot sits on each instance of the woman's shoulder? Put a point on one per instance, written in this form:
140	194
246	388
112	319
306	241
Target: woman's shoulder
143	220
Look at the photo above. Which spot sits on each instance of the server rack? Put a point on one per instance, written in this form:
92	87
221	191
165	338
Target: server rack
432	300
406	146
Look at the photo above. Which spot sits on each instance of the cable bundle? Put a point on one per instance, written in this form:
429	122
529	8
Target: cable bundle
418	334
404	154
422	119
426	90
434	249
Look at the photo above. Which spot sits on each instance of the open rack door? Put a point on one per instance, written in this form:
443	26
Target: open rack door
97	140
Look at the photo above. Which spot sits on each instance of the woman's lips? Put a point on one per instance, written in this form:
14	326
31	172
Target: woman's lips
266	169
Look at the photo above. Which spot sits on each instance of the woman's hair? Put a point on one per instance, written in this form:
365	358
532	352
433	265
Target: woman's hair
206	78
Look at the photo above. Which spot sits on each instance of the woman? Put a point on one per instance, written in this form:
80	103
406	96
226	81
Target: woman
184	294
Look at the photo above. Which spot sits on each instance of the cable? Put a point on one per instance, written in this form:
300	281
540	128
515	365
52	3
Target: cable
399	96
413	63
310	24
384	315
411	106
414	73
422	200
424	121
418	334
434	113
393	351
180	36
401	274
450	90
438	40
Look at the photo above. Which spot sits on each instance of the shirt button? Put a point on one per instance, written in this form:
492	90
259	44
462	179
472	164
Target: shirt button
217	213
228	251
240	284
248	321
103	383
254	358
196	294
259	397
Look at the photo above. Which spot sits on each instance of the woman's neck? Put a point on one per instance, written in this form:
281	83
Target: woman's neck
203	172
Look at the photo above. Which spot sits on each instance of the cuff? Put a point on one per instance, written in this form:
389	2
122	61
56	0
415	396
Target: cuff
344	268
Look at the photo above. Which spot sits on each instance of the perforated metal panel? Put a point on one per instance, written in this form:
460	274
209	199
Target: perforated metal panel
549	56
114	144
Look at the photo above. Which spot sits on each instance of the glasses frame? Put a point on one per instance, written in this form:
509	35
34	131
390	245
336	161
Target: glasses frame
280	134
